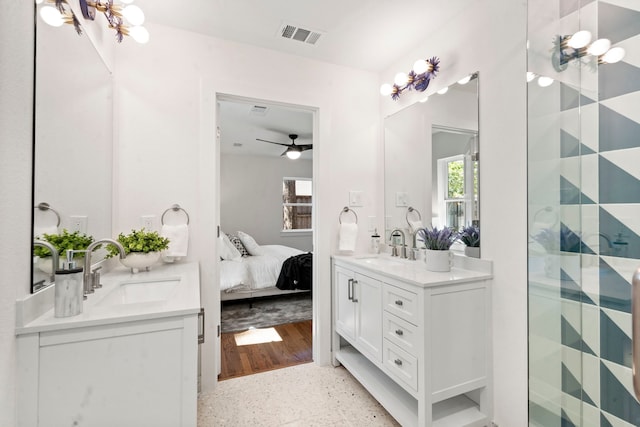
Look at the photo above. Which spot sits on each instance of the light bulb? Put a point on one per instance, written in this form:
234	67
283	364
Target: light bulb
599	47
465	80
293	154
386	89
443	90
613	55
420	66
531	76
544	81
133	14
579	39
51	16
39	1
401	79
425	99
139	34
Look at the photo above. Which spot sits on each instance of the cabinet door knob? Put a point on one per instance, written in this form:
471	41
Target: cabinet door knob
399	332
398	362
399	302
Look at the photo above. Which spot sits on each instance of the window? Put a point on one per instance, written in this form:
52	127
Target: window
296	204
457	206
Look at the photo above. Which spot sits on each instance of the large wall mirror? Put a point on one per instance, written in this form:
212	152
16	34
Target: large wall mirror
73	138
431	161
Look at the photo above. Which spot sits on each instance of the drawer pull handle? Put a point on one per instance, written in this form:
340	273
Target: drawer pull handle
399	302
399	332
398	362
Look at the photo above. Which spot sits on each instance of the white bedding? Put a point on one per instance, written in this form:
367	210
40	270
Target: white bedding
255	272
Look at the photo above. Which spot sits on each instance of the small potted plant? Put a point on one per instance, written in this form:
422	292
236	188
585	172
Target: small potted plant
438	242
62	242
470	236
142	248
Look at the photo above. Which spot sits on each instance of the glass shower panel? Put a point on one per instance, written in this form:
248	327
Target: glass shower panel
584	214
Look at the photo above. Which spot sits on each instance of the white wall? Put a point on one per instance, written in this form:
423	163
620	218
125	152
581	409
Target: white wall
16	86
166	120
474	41
251	197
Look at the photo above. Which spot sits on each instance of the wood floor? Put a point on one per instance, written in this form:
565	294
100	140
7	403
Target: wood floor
295	348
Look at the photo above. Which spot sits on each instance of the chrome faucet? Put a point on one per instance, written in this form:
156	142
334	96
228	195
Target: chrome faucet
54	257
403	249
412	254
89	277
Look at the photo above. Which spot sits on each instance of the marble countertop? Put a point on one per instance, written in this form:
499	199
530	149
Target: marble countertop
464	269
184	299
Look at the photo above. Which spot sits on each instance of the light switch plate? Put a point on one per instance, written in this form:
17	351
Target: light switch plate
355	198
146	221
79	223
402	199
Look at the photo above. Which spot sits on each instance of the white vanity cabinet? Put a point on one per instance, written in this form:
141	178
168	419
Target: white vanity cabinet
418	341
114	365
358	315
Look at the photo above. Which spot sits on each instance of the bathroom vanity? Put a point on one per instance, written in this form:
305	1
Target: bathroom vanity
418	341
130	359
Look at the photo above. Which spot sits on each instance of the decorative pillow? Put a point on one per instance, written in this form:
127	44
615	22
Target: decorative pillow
249	242
235	240
227	250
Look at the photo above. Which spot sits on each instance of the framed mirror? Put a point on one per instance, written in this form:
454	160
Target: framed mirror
73	138
431	164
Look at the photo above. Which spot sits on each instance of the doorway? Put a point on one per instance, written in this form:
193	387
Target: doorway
266	207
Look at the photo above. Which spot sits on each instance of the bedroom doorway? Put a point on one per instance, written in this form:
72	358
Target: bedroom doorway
266	237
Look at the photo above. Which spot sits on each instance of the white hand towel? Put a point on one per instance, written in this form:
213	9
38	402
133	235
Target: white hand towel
414	225
178	236
41	231
348	236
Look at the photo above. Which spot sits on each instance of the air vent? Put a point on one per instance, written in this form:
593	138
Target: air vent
294	32
259	110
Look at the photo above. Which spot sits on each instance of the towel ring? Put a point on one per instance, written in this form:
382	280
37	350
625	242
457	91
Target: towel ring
174	208
409	210
44	206
344	210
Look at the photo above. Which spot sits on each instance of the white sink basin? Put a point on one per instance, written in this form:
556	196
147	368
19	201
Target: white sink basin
140	292
381	261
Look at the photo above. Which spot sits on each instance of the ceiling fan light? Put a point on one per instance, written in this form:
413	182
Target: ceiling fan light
293	154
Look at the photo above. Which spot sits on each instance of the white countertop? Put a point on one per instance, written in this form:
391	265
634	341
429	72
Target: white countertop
185	299
464	269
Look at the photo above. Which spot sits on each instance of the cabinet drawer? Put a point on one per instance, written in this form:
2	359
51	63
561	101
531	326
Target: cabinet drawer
402	366
401	333
402	303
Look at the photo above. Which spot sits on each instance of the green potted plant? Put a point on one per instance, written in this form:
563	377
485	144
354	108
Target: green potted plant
438	242
62	242
142	248
470	236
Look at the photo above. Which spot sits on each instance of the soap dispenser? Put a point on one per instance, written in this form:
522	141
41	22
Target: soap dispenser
69	293
375	242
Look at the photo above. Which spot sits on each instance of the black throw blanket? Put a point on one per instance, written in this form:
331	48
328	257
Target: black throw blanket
296	272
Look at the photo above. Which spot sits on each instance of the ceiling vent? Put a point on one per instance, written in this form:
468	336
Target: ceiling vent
294	32
258	110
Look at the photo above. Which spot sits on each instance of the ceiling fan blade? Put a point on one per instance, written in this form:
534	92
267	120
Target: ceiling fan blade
284	153
305	147
271	142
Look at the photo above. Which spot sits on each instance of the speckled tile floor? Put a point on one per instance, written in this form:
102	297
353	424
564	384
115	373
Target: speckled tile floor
300	396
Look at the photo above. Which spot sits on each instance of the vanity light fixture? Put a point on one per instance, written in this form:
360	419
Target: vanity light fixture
114	13
465	80
418	78
579	45
443	90
544	81
531	76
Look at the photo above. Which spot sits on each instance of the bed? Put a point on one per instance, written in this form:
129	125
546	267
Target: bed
255	275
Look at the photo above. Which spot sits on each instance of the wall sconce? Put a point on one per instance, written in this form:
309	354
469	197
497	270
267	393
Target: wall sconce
579	45
419	78
114	13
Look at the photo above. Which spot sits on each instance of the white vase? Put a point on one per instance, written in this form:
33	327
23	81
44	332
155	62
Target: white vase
472	252
438	260
139	260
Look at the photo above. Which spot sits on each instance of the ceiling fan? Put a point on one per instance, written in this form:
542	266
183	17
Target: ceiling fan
293	151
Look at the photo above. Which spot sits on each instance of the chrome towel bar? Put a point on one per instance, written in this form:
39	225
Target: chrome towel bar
174	208
345	210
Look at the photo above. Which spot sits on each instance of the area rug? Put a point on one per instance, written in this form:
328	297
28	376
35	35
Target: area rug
263	313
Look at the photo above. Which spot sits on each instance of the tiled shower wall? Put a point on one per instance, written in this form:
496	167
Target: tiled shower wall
584	195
